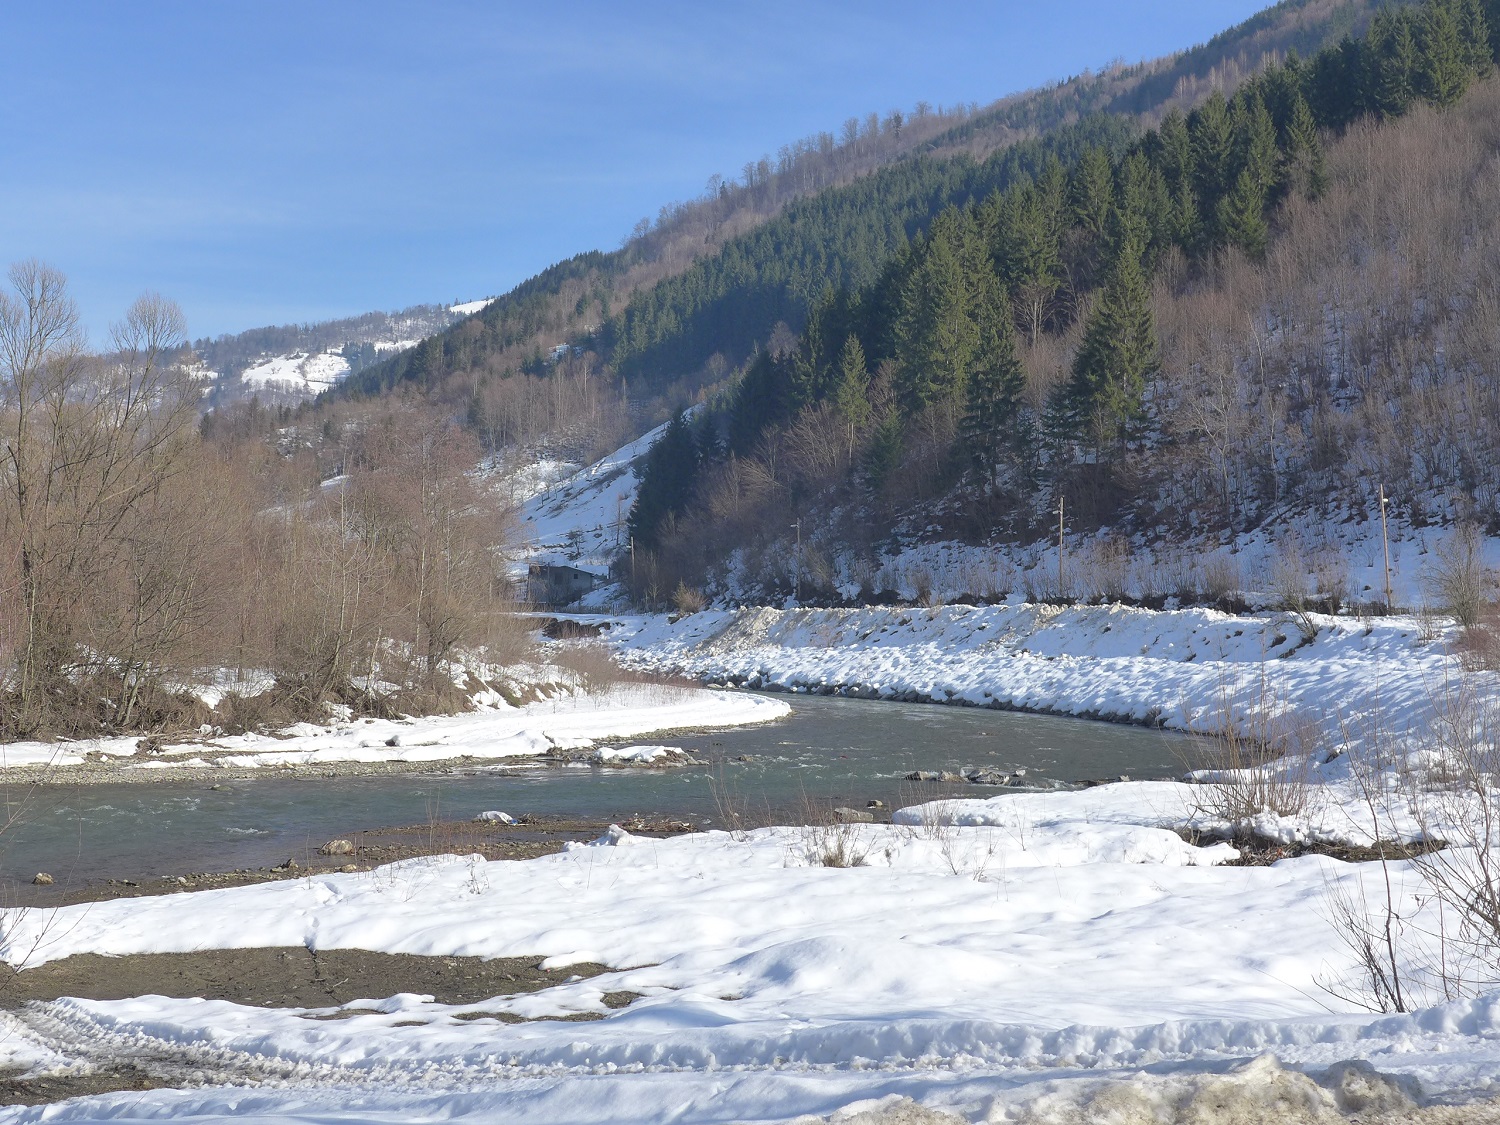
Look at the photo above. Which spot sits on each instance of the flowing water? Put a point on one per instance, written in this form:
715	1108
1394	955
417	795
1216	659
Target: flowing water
831	750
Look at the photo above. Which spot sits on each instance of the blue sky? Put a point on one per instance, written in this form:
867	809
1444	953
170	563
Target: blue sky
271	162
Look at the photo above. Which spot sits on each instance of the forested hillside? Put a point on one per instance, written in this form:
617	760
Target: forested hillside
679	309
1212	326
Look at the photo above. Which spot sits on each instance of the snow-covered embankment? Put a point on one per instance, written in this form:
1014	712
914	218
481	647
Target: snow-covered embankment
1188	669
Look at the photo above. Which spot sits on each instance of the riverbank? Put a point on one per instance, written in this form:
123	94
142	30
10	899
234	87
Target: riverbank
567	726
1190	669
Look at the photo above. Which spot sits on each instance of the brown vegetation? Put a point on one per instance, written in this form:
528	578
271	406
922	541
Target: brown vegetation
139	555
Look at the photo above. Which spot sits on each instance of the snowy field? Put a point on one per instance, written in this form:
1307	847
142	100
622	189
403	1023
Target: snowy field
308	372
1008	969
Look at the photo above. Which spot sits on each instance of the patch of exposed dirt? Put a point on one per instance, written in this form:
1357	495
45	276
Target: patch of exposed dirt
1261	851
42	1089
292	977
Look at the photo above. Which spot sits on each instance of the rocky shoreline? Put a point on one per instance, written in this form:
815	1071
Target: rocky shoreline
128	770
527	838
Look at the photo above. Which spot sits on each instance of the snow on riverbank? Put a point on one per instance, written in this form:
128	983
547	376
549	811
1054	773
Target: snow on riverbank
975	968
1187	669
493	730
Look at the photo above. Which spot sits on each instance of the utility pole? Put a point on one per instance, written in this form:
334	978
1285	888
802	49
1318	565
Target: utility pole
1060	591
1385	539
797	568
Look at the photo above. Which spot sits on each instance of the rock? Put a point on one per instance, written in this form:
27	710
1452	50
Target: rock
289	865
494	816
349	868
924	775
1360	1088
877	804
394	740
987	777
950	776
337	847
42	879
854	816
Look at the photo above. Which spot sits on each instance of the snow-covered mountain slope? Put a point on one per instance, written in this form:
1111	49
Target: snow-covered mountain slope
308	373
296	362
581	519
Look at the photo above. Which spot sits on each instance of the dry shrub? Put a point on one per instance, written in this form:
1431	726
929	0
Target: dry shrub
1221	577
687	600
1253	759
991	581
1104	569
1479	646
592	664
1457	577
1458	801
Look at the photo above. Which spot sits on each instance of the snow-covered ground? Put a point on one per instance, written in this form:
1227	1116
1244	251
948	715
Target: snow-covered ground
578	516
1191	669
469	308
1046	957
302	371
1341	556
1071	941
494	729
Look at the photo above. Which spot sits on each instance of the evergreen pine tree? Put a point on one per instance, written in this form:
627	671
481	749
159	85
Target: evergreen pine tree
1241	216
851	396
1492	21
1027	254
935	336
1171	150
1394	65
1255	142
1213	157
1337	83
667	482
1103	402
990	428
1132	221
1091	195
1443	68
1303	167
884	453
1474	33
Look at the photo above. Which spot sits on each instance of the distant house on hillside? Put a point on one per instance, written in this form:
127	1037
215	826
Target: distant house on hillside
549	584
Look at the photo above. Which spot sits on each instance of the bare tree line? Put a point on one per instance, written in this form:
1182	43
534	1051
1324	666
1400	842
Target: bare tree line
138	556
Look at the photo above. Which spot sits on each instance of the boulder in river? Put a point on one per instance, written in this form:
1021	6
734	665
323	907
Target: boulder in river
494	816
337	847
42	879
854	816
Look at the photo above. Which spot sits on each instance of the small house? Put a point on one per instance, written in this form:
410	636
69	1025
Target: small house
556	585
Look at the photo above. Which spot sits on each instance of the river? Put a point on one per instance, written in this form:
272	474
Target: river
830	750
